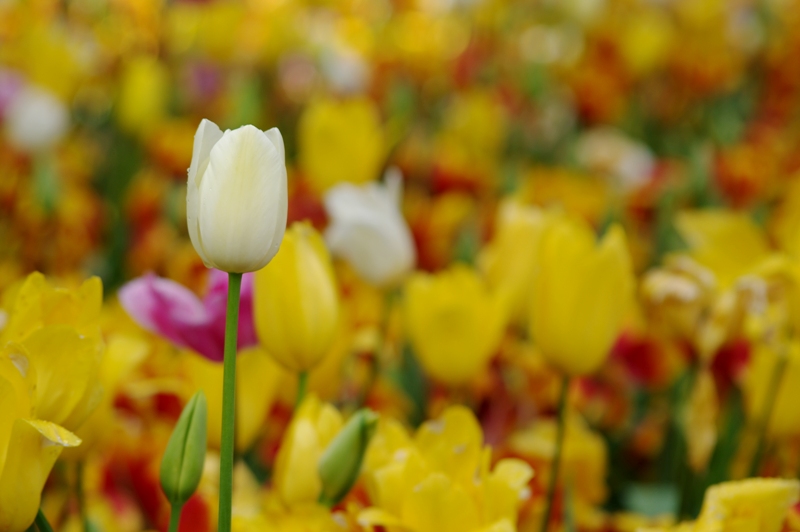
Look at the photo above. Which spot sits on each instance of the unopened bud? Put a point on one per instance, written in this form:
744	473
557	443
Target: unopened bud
182	465
340	463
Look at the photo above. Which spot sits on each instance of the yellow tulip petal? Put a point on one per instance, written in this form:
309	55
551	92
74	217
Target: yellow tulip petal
378	517
726	242
296	477
454	323
504	525
440	505
257	381
258	378
296	304
296	466
67	365
506	487
453	443
752	505
340	141
33	448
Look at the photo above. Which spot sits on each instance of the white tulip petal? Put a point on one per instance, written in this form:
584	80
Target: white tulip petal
207	135
243	201
368	230
275	137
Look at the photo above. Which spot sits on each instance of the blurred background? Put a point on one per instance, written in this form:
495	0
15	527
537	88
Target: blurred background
623	110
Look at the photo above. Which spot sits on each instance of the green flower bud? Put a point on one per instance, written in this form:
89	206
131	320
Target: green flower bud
340	463
182	465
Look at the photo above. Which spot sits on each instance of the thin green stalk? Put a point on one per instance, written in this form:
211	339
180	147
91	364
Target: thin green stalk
80	495
766	415
561	420
175	518
41	522
302	387
228	403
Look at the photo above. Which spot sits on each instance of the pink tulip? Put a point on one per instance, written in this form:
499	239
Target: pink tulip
171	310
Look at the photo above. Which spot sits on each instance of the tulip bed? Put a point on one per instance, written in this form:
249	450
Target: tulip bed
399	266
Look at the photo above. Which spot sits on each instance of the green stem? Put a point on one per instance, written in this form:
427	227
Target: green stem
766	415
561	420
41	522
228	403
302	387
175	518
80	495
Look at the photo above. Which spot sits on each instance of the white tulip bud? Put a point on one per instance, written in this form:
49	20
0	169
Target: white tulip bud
237	202
368	230
35	119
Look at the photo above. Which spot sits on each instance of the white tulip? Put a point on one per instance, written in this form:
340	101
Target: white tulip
609	151
35	119
368	230
236	202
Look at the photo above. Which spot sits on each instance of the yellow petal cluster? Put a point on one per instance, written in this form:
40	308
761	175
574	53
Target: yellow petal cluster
440	479
751	505
296	302
581	293
49	362
454	322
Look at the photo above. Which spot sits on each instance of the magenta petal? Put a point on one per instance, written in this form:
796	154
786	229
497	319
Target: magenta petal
174	312
170	310
216	301
247	328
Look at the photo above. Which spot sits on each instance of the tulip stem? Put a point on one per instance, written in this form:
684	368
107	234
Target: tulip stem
561	425
175	518
766	414
302	386
228	403
41	522
80	495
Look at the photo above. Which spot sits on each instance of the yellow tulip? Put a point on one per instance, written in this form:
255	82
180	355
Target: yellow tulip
257	385
341	141
441	479
454	322
296	304
58	332
28	446
752	505
314	425
509	266
143	94
727	243
36	304
581	292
